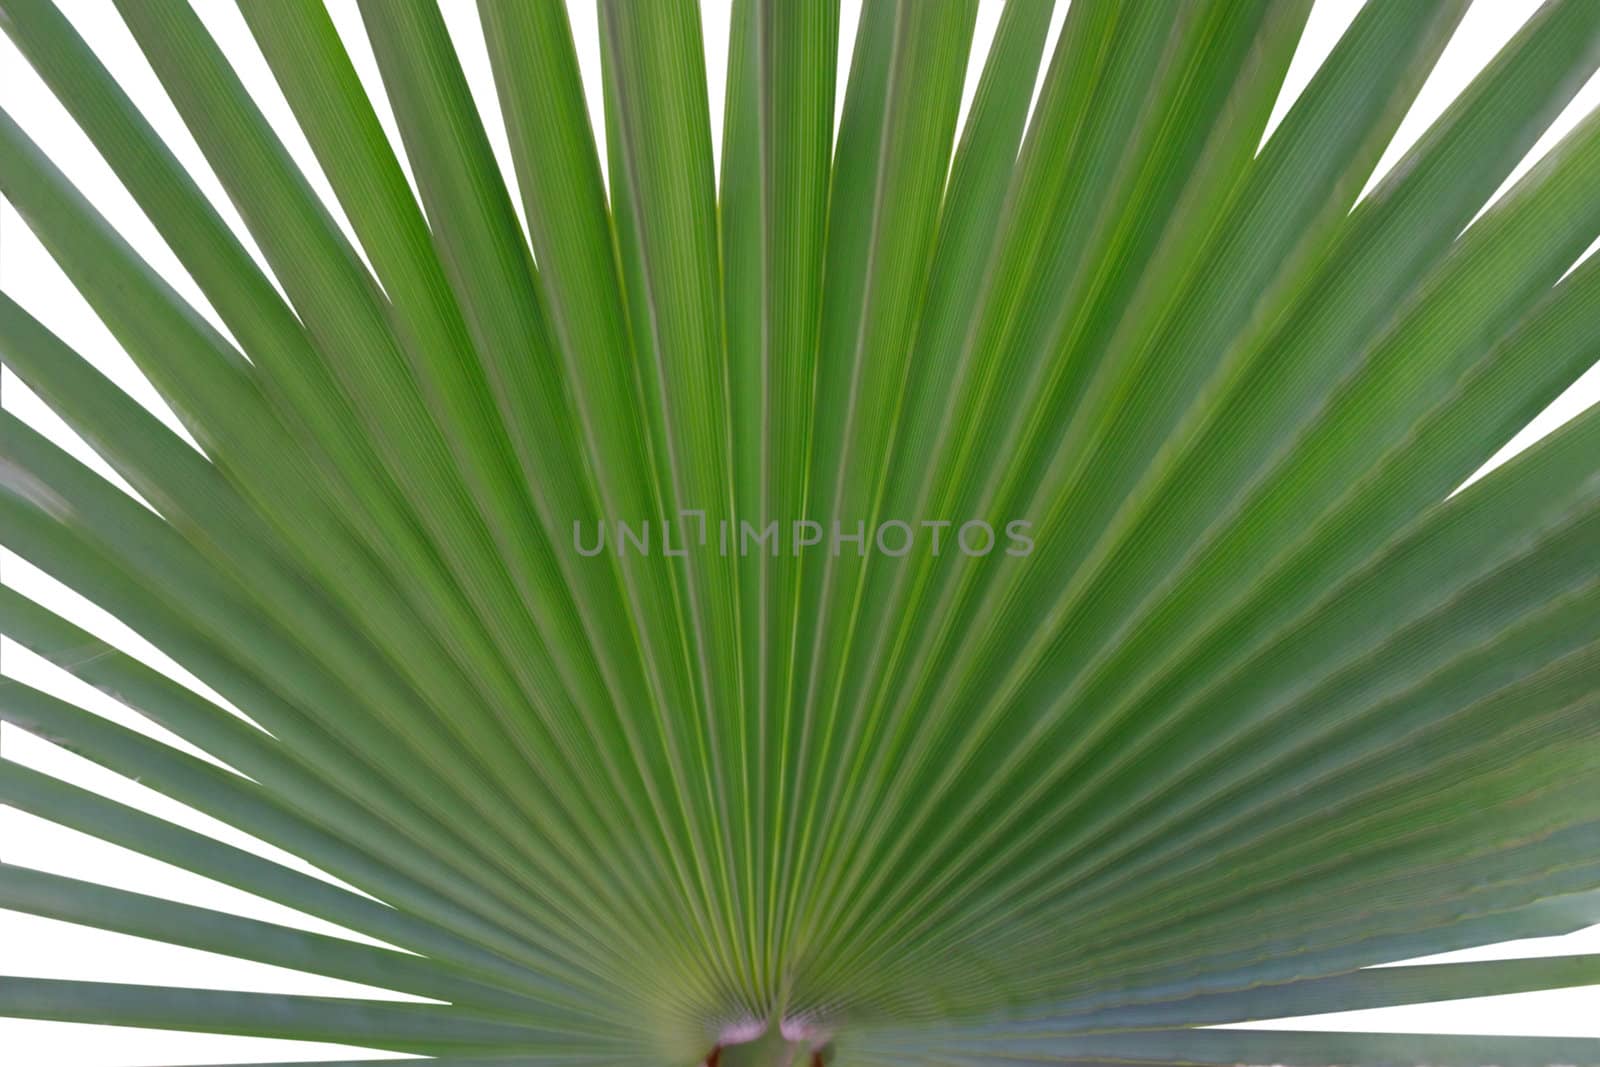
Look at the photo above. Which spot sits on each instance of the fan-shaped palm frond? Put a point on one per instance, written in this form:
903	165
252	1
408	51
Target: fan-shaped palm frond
913	598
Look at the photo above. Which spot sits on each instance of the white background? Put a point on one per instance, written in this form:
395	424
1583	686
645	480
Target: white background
45	948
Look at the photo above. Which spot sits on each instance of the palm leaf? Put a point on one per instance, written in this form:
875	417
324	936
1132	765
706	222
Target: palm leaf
1239	699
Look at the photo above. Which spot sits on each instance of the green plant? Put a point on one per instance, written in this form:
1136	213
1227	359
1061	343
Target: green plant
1258	704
